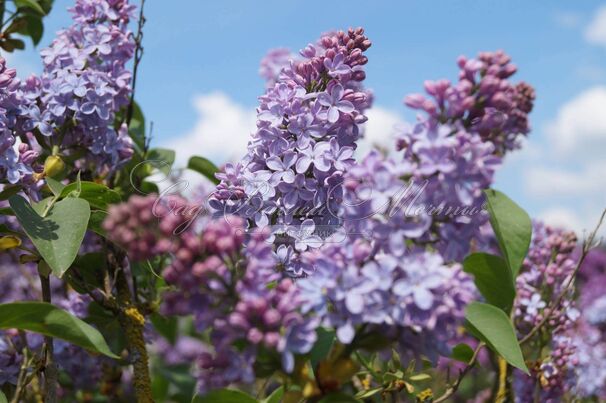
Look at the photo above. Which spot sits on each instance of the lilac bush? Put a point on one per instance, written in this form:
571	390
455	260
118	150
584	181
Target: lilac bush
308	272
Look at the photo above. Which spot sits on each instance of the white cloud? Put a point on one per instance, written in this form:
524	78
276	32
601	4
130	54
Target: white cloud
380	129
562	217
596	30
580	125
569	175
221	132
574	183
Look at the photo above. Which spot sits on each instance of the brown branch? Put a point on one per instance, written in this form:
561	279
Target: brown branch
452	389
132	322
588	244
51	373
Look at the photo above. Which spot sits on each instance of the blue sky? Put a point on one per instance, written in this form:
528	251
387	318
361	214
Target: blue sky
199	76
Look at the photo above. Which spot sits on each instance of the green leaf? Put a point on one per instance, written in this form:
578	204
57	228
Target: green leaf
9	191
31	25
10	44
99	196
55	186
57	236
512	227
204	167
33	4
275	396
494	327
167	326
493	278
47	319
163	158
462	352
322	347
224	396
41	206
137	127
420	377
95	222
365	394
3	398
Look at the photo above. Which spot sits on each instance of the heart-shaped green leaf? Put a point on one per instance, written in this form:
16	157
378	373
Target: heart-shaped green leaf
47	319
492	326
57	236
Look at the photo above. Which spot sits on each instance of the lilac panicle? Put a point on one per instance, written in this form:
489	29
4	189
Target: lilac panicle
84	84
309	115
484	101
543	277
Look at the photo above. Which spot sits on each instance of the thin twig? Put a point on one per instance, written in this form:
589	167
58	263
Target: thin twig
138	56
588	244
21	384
452	389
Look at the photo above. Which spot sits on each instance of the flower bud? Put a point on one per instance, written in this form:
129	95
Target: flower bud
9	242
53	165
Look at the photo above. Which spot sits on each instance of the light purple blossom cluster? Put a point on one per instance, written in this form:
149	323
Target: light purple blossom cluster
307	126
85	83
543	277
451	154
408	297
15	160
483	101
590	333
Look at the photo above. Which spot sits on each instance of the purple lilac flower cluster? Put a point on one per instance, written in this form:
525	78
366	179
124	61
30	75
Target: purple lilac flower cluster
239	296
543	277
307	127
414	296
82	368
590	333
15	160
451	154
231	290
483	101
85	82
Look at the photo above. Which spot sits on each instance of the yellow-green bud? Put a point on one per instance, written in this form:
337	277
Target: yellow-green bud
9	242
53	165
